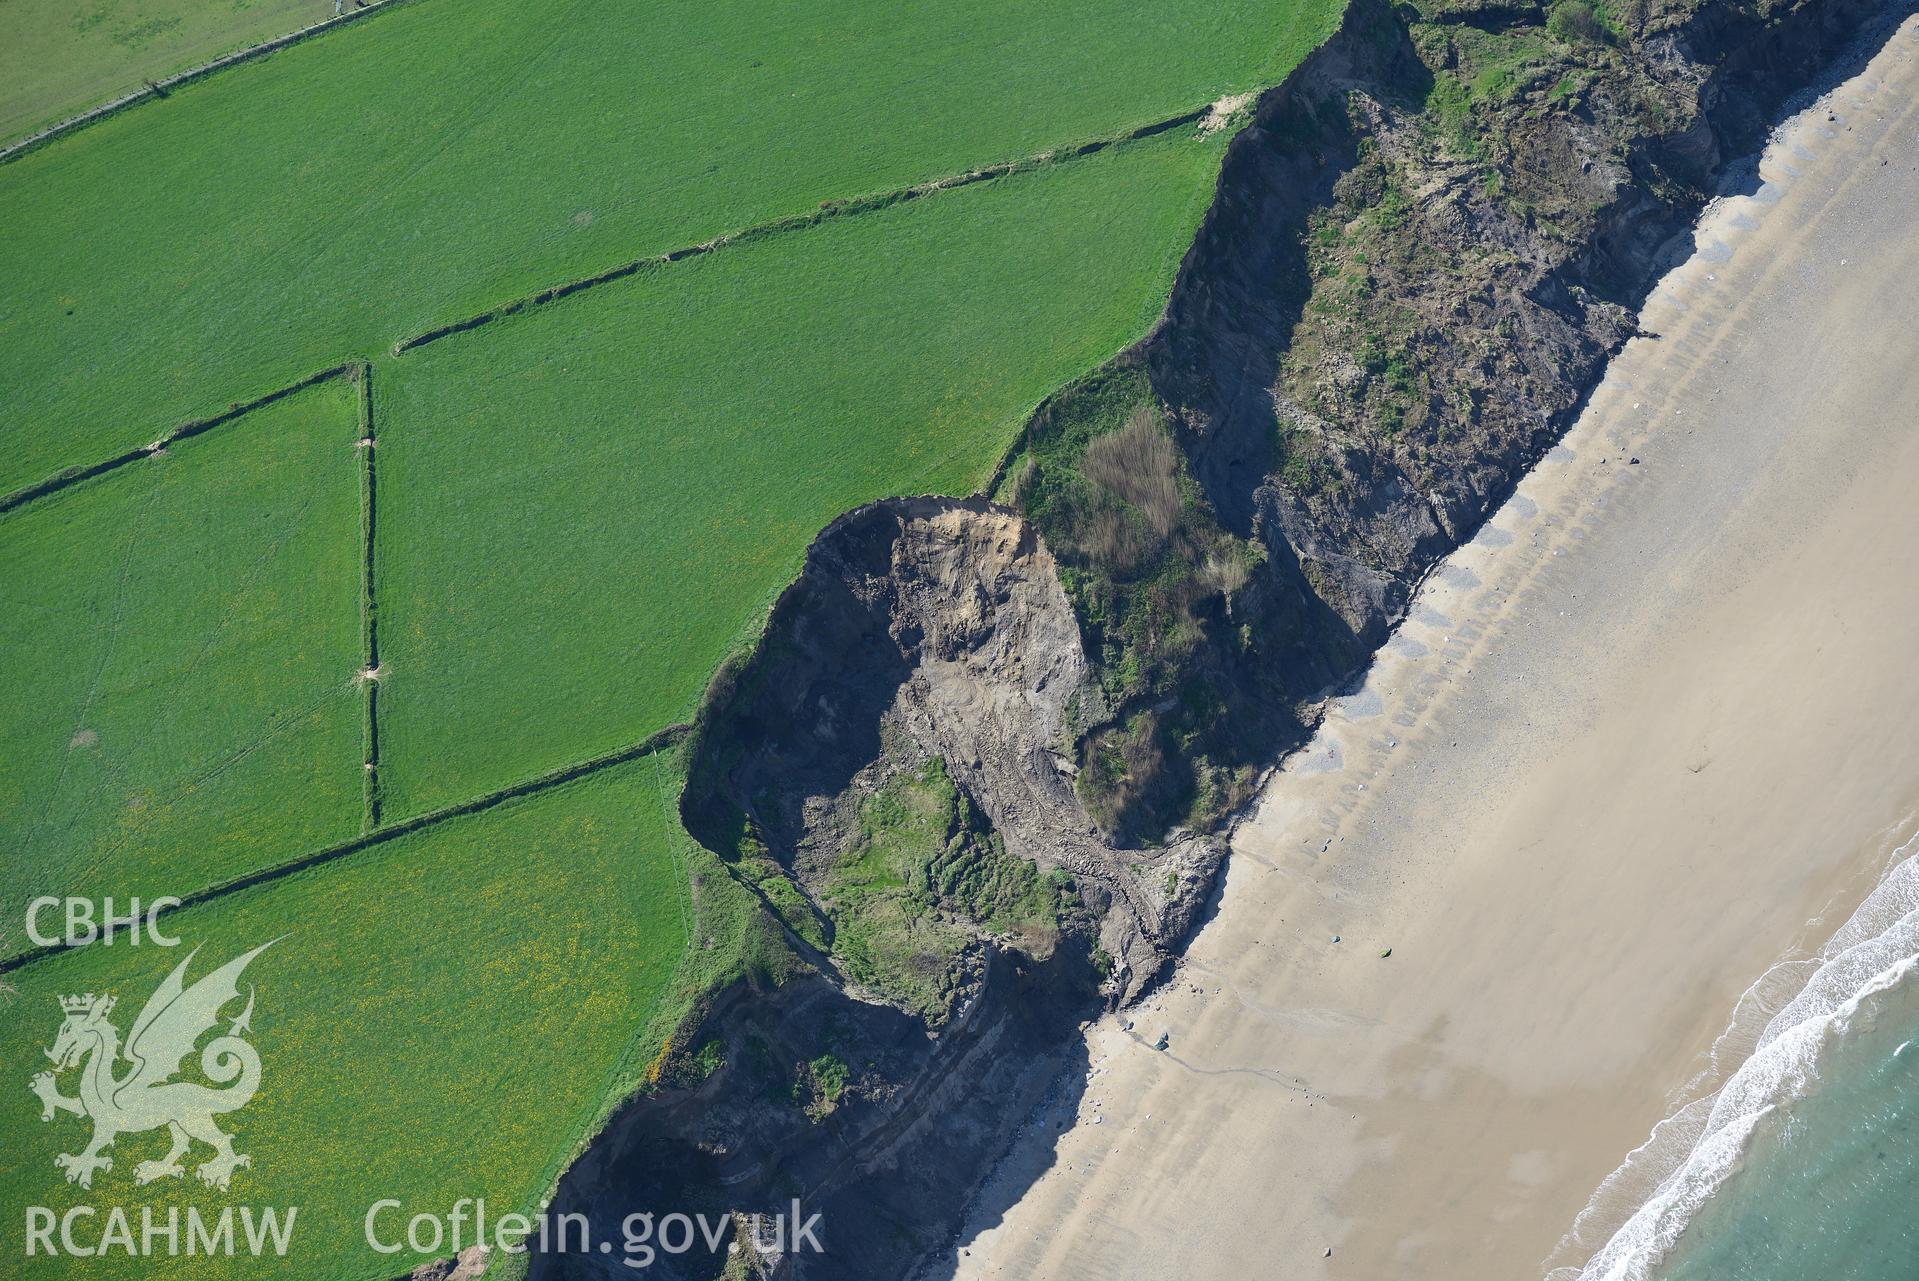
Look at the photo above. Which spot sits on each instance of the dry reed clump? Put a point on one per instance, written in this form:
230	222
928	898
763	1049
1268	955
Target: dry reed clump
1136	465
1114	540
1225	572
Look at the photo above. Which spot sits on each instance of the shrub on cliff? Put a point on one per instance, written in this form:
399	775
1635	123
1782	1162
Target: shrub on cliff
1578	22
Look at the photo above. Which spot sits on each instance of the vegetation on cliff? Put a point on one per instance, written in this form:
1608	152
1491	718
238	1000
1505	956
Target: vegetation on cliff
1423	250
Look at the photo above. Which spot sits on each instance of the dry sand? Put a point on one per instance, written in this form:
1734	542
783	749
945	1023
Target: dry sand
1657	726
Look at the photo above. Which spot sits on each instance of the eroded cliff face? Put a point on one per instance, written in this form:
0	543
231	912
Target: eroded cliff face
1427	246
971	767
844	1107
912	716
891	772
1422	252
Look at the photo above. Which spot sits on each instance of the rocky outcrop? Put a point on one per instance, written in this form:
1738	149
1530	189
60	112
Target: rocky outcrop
891	772
886	1162
468	1265
1423	251
926	630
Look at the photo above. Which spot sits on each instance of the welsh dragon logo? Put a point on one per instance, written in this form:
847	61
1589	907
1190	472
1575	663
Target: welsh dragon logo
144	1096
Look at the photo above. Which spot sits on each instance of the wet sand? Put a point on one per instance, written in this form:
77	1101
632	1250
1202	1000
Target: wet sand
1655	728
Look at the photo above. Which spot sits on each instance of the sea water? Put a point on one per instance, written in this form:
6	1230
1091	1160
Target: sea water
1804	1164
1829	1186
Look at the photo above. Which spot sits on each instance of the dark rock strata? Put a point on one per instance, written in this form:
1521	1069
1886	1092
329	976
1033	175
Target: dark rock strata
1420	256
910	708
925	630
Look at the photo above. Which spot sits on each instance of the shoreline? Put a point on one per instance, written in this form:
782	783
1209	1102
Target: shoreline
1641	690
1793	1030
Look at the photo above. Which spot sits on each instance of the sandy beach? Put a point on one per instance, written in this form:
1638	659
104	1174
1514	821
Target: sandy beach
1651	731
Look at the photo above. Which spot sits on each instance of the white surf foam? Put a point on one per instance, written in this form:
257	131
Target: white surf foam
1801	1009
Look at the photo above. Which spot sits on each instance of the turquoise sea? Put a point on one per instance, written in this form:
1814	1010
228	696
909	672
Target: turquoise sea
1829	1187
1804	1164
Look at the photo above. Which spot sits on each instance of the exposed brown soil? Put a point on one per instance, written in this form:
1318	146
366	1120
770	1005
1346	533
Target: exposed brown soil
921	629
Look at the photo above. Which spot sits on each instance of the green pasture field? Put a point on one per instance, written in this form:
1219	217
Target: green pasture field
439	157
182	637
582	506
444	1016
60	57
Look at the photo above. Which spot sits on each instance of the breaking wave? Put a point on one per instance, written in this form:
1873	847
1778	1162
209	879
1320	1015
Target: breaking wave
1784	1031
